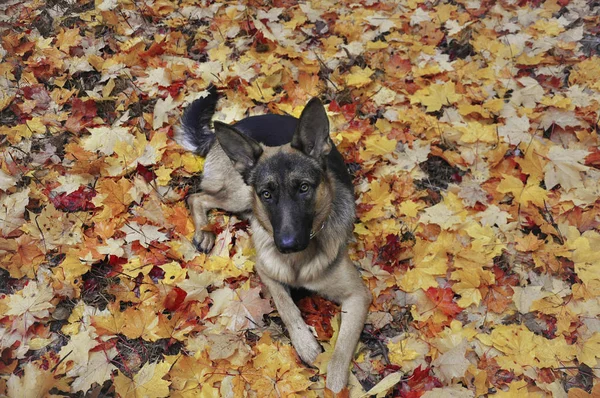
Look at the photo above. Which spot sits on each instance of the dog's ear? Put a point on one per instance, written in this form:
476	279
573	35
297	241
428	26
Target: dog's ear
312	134
241	149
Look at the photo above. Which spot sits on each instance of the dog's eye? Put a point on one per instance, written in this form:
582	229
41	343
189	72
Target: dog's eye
266	194
304	187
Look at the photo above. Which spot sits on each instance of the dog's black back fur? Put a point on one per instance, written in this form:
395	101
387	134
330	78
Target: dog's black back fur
262	128
195	133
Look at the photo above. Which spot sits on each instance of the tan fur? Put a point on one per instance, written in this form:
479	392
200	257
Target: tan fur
323	206
222	188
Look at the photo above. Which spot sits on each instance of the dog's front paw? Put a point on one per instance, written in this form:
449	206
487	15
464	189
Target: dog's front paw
204	240
306	345
337	375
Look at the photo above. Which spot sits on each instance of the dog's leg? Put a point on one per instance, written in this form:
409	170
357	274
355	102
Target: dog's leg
199	204
355	298
303	340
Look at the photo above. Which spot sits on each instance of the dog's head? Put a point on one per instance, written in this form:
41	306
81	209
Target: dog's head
291	196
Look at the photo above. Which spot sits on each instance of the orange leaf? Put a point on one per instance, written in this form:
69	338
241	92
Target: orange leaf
444	300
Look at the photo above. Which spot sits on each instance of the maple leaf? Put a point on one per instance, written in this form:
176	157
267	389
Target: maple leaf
589	350
105	139
30	304
564	168
408	352
12	210
448	214
467	287
34	383
436	96
443	300
96	370
228	346
279	372
161	110
518	345
376	145
528	93
247	309
6	180
22	258
515	130
113	196
145	234
385	385
140	322
579	393
77	349
359	77
412	157
523	194
148	382
452	363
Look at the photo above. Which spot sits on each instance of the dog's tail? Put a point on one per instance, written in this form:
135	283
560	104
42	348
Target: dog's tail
194	132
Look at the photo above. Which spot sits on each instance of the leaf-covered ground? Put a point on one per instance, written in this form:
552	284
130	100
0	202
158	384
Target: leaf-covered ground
471	128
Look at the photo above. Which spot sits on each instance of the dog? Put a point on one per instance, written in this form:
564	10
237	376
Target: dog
288	177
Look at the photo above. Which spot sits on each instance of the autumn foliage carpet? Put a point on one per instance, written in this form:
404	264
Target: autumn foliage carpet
471	128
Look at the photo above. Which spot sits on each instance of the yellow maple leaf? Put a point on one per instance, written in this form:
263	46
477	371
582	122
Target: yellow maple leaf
534	161
549	27
429	262
410	208
377	145
259	92
139	322
523	194
163	175
147	383
68	38
586	72
436	96
280	374
518	389
467	287
71	267
528	243
223	265
478	132
448	214
579	393
589	350
192	163
174	274
408	353
78	348
359	77
518	345
485	239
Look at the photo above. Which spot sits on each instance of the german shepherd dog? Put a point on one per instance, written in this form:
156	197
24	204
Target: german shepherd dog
288	177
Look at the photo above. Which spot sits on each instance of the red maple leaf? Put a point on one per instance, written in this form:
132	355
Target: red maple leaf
418	383
317	312
443	299
75	201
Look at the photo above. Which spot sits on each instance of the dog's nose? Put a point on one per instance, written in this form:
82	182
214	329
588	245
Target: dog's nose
288	244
